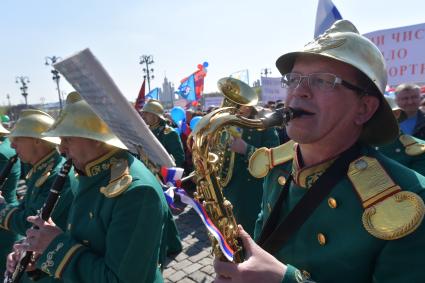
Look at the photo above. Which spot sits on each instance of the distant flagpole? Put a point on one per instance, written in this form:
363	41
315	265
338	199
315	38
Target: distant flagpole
140	101
326	15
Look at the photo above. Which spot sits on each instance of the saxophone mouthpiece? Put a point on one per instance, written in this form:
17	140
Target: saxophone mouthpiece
281	117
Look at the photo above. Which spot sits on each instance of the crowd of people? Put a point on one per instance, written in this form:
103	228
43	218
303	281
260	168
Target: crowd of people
334	195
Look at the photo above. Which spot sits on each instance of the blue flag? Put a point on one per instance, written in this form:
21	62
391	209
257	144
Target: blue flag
326	15
153	94
187	88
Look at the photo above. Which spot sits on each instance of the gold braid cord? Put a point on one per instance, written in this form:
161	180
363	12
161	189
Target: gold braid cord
395	217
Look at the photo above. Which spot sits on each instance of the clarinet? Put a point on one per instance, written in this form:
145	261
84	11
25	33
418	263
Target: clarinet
45	213
4	174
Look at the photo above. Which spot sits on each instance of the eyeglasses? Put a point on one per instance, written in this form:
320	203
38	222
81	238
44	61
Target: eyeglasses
317	81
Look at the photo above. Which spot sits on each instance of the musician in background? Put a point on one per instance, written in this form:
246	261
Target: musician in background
334	209
242	189
41	153
408	98
8	193
405	149
153	114
116	223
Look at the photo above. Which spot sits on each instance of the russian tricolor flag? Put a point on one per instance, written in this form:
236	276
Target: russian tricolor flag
326	15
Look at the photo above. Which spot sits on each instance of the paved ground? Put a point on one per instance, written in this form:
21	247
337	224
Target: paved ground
194	263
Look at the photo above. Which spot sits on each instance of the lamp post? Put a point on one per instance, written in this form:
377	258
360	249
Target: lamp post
24	81
50	61
147	60
266	72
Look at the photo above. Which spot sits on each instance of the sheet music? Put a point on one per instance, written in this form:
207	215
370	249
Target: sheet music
85	73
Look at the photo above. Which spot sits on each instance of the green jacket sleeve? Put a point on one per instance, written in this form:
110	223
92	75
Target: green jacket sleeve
15	216
174	146
269	139
132	245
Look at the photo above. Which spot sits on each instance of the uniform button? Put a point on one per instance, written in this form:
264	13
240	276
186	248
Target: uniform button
281	180
68	227
91	215
85	242
249	137
397	150
321	239
332	203
249	180
360	164
269	207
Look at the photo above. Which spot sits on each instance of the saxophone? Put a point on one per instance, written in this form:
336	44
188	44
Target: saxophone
208	159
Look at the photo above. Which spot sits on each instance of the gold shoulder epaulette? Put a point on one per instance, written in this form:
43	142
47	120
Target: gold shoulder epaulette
43	178
120	179
412	146
264	159
389	213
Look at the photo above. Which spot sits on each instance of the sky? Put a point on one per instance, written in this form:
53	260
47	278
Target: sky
230	35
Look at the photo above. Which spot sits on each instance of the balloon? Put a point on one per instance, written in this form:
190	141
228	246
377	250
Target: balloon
194	122
177	114
5	118
205	64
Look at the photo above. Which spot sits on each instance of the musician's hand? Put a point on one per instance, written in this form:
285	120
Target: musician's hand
39	239
11	261
238	145
259	266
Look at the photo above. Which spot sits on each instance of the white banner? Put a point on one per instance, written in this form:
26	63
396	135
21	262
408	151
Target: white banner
214	101
272	90
403	50
85	73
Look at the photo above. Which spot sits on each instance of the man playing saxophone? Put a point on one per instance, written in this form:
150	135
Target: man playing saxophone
334	209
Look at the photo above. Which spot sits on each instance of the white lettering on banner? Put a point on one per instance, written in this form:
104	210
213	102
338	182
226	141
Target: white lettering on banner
271	89
402	49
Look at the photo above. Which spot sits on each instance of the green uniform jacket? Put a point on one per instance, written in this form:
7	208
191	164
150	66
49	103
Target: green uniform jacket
115	226
171	141
7	238
407	150
39	181
244	191
332	245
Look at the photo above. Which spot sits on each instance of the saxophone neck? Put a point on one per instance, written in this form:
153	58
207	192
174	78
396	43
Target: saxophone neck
280	117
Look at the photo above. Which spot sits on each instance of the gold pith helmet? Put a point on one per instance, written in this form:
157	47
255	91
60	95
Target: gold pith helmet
155	107
342	42
79	120
236	92
32	123
3	130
